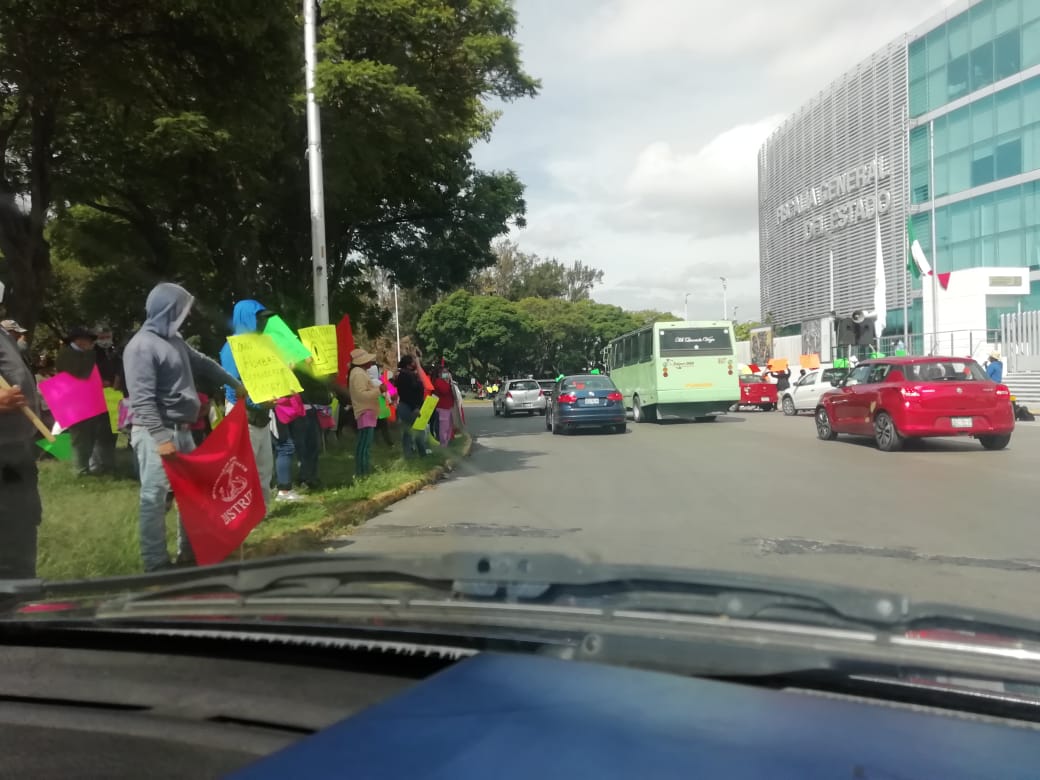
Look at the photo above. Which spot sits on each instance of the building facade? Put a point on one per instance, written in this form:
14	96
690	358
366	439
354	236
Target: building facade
948	119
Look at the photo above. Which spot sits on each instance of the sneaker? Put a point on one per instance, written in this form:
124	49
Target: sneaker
288	495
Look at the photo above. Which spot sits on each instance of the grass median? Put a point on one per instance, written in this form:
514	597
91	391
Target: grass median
90	524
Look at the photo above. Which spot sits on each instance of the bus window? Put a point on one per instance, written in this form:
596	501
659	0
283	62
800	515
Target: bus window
689	342
646	346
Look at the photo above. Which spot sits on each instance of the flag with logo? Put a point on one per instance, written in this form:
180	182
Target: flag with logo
917	263
218	489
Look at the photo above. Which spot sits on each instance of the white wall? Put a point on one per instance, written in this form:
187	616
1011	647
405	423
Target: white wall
962	308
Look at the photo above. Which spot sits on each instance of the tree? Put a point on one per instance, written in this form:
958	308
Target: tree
182	122
742	330
477	333
580	280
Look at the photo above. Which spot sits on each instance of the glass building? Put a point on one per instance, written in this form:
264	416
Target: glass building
954	117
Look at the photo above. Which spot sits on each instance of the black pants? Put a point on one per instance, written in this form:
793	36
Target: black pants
20	514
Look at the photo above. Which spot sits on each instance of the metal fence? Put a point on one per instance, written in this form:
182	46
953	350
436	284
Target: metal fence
960	343
1020	335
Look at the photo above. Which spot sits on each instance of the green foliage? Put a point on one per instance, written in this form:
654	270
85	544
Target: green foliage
517	275
489	334
742	330
165	140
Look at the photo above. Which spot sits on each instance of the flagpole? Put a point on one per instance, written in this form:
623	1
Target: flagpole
935	248
397	325
903	140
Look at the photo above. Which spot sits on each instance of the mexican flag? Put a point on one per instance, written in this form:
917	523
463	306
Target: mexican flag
917	263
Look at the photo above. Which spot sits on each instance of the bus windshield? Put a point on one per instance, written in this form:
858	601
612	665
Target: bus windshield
688	342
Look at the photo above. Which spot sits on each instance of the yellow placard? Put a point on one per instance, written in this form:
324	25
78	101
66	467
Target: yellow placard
320	341
809	361
425	413
263	372
777	364
112	399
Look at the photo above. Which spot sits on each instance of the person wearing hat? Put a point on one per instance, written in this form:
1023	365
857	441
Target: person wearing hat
364	398
995	368
18	333
91	437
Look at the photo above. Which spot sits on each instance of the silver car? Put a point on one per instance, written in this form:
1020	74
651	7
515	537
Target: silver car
519	395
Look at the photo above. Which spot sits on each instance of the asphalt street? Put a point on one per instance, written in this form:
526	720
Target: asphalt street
944	520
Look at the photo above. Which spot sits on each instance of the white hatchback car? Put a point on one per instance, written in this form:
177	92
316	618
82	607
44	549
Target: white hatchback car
804	395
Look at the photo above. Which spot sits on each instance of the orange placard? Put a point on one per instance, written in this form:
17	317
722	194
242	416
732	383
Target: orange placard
777	364
809	361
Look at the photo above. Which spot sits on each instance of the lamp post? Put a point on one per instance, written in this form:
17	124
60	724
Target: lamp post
686	307
319	262
725	307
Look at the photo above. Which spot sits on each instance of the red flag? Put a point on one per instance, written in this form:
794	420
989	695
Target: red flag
344	345
218	489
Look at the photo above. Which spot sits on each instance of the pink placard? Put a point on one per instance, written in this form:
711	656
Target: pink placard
73	400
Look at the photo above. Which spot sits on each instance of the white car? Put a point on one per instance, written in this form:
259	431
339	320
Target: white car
804	395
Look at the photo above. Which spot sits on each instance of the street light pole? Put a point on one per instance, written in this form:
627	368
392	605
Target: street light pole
317	179
686	307
397	325
725	307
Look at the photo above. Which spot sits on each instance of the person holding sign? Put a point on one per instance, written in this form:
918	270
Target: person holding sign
409	401
160	371
93	442
251	317
20	508
364	398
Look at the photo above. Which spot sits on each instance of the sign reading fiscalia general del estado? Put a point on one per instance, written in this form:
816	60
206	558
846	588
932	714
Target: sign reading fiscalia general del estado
841	200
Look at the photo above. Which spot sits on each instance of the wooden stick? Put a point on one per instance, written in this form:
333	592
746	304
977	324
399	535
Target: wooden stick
31	415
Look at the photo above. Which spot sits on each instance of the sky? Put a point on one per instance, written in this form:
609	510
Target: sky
639	153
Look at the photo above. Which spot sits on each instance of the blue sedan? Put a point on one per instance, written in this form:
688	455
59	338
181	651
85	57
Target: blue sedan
585	401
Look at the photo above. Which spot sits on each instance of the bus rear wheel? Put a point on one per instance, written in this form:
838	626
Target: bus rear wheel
643	414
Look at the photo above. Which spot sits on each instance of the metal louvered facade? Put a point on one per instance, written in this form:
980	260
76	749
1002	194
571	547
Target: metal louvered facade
821	174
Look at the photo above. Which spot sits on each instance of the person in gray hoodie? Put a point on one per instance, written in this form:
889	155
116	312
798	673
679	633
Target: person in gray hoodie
160	371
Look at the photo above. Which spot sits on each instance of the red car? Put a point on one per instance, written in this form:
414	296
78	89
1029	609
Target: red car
894	399
757	391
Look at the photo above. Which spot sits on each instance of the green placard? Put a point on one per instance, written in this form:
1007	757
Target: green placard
901	353
60	448
841	363
288	344
594	371
877	354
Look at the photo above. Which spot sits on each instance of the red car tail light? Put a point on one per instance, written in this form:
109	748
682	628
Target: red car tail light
1003	391
614	396
567	398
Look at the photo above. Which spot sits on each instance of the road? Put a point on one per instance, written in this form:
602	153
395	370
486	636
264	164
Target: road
944	520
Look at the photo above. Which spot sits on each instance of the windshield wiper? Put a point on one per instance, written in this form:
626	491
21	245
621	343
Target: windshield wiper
539	579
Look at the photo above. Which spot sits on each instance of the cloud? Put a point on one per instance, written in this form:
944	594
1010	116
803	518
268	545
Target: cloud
710	191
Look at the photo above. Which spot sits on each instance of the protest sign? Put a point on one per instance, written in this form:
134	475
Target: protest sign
384	407
425	413
73	400
60	448
320	341
809	361
777	364
424	378
264	373
391	391
218	489
112	399
286	343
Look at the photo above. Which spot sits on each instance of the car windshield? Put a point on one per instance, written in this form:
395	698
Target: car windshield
266	269
587	383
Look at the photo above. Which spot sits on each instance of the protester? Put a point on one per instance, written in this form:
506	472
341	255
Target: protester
307	435
20	507
364	398
382	423
445	405
160	378
409	402
93	443
783	379
289	415
18	333
250	317
995	368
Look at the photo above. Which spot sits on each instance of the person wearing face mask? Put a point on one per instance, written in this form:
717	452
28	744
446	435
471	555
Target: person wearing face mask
110	365
93	444
445	406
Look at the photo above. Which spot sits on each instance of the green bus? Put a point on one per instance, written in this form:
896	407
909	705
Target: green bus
675	369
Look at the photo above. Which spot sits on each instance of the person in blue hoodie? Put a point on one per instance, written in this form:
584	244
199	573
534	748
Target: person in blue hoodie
251	316
160	369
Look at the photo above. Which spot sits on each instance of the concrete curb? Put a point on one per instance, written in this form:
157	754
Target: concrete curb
312	538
